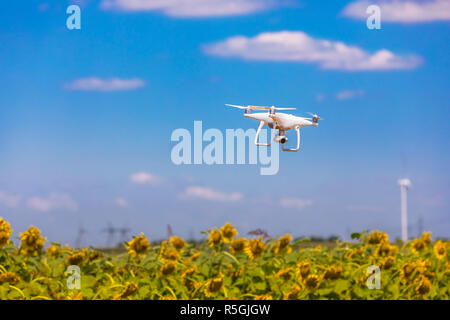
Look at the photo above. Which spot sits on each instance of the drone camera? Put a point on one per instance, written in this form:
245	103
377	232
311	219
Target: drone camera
281	139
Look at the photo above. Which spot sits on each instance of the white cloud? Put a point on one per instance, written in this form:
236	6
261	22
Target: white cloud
210	194
297	46
144	178
190	8
55	201
349	94
9	200
405	11
108	84
121	202
295	203
320	97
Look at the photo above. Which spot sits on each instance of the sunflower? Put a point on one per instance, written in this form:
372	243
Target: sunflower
423	265
168	268
440	250
75	259
387	263
407	270
172	254
31	241
228	232
263	297
166	298
303	268
186	277
333	272
214	237
138	247
238	245
94	255
255	248
9	277
350	254
129	289
312	282
284	274
177	242
423	286
74	295
293	294
282	245
386	249
193	257
5	232
377	237
214	285
418	245
53	251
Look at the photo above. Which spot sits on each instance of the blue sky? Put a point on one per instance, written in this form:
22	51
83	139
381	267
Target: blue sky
71	139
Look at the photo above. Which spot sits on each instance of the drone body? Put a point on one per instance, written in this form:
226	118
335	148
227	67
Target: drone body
281	121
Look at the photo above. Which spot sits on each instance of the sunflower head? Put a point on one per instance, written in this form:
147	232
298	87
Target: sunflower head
312	282
138	247
193	257
282	245
214	237
238	245
228	232
186	278
53	251
189	272
263	297
172	254
418	245
423	265
293	293
75	259
255	248
9	277
303	268
407	270
31	241
5	232
214	285
285	274
377	237
177	242
423	286
386	249
129	289
168	268
387	263
440	250
74	295
333	272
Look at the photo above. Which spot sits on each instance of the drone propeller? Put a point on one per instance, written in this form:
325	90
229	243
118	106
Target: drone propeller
315	116
258	107
232	105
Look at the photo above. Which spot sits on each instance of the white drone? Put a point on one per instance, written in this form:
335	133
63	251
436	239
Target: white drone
280	121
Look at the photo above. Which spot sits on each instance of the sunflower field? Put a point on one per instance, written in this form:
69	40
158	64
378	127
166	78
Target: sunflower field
225	266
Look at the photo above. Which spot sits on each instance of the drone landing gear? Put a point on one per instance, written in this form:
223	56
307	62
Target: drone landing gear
297	129
261	124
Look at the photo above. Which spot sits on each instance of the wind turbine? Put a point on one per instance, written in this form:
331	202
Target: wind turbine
404	185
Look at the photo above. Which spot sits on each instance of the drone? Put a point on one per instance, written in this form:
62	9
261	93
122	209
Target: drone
277	120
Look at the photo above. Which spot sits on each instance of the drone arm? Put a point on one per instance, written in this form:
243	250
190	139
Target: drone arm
261	124
297	129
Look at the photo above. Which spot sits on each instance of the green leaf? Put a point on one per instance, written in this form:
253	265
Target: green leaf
355	235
